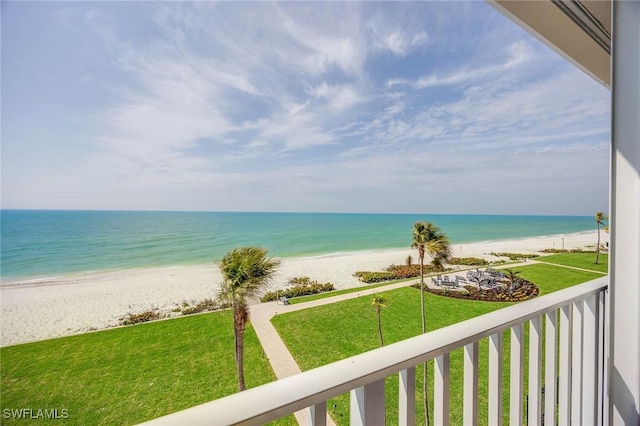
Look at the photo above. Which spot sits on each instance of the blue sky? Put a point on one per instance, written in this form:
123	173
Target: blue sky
432	107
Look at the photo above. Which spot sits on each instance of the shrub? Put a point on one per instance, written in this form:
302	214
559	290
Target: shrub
516	256
204	306
576	250
406	271
146	316
393	272
302	286
301	281
468	261
374	277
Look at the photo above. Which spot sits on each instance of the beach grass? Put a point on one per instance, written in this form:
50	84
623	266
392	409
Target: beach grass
131	374
332	332
579	260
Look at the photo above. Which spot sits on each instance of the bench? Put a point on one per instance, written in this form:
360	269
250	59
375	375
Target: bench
284	300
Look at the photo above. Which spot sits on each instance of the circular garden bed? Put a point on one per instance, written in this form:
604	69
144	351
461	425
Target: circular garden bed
525	290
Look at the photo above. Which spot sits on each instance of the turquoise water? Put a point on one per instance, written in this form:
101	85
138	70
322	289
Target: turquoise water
38	243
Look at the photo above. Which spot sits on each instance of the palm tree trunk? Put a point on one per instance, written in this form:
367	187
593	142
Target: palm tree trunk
426	394
422	314
239	325
380	326
598	246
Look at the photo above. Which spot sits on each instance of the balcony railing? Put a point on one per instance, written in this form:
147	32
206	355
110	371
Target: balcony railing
574	357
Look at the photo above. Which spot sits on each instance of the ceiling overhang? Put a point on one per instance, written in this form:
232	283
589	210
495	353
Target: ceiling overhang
578	30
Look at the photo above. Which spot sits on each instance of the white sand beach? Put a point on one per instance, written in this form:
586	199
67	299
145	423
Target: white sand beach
58	306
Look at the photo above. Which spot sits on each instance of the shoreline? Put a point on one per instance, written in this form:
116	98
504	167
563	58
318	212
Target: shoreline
39	309
67	277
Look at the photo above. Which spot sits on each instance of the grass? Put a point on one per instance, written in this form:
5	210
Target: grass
332	332
132	374
579	260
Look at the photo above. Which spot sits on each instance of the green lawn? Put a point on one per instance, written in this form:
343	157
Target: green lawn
579	260
332	332
132	374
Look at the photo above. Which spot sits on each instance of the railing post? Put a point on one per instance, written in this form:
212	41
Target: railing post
441	391
550	369
470	404
367	405
603	350
515	381
564	367
407	397
576	363
535	366
590	361
495	379
319	414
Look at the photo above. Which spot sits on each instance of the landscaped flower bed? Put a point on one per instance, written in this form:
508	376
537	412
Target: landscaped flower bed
526	290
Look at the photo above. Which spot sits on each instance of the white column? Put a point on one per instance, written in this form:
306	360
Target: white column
470	404
495	379
535	367
564	370
367	405
515	381
407	397
590	361
624	271
576	362
550	368
319	414
603	360
441	391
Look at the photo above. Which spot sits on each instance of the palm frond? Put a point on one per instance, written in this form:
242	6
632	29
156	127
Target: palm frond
247	271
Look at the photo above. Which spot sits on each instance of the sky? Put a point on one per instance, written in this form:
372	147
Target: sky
381	107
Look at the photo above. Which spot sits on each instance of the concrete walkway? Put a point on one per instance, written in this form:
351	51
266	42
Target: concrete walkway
279	356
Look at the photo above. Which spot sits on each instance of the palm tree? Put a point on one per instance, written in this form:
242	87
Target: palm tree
428	238
378	302
477	279
512	276
246	272
600	220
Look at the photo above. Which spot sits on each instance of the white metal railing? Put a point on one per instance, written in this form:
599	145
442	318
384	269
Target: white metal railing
574	336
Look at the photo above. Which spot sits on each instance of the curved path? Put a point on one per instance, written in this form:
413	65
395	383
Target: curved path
280	358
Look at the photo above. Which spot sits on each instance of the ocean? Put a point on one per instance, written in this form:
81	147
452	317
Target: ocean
43	243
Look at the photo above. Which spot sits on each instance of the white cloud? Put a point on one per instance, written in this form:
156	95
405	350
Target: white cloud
339	98
358	101
520	54
401	43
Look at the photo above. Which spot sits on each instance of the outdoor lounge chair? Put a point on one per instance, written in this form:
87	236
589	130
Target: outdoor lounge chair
448	282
